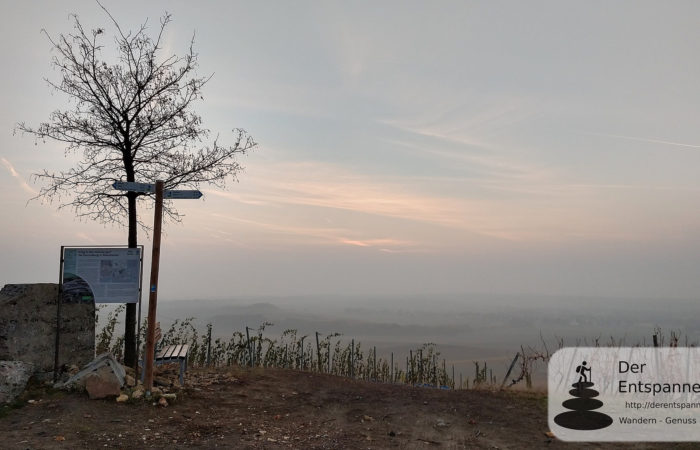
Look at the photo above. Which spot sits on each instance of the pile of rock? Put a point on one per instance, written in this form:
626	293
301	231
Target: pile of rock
163	392
106	378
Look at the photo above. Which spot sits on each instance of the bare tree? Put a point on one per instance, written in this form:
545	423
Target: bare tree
132	120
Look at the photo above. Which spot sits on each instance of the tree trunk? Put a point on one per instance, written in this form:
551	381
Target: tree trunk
130	319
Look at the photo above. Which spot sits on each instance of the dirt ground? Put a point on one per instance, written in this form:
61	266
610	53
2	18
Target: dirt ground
272	408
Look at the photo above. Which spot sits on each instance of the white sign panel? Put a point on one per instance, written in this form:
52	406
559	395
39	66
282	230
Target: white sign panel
105	275
183	194
625	394
132	186
172	194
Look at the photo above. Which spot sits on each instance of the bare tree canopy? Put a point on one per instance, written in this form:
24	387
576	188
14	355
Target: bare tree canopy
132	120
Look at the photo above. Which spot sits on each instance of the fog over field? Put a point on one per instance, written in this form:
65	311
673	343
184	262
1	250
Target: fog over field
466	328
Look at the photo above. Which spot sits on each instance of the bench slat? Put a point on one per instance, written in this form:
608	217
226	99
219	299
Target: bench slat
183	351
168	351
174	351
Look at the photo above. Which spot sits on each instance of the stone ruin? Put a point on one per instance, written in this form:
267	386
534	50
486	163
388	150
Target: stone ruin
28	328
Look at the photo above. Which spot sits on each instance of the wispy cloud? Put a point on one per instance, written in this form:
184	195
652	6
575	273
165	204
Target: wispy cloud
375	242
327	186
643	139
458	122
499	200
318	234
85	238
488	168
18	177
306	190
437	132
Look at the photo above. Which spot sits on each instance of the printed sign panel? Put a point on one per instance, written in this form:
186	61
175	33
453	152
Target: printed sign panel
105	275
625	394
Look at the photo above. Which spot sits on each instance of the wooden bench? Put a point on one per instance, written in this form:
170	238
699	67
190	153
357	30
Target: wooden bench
169	354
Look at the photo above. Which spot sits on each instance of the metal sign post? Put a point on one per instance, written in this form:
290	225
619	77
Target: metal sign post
161	193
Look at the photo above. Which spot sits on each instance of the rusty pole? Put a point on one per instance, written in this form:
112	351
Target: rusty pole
153	296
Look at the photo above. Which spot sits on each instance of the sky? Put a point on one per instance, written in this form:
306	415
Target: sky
541	147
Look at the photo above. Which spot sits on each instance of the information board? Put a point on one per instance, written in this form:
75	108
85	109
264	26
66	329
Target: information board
105	275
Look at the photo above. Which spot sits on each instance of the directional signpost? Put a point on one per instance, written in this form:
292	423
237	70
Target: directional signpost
155	260
182	194
132	186
149	187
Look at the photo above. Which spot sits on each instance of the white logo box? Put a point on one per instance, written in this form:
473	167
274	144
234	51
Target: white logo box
627	394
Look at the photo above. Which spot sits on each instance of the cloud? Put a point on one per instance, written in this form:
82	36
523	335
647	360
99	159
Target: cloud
327	186
489	169
23	184
642	139
84	237
375	242
315	234
467	120
498	201
310	192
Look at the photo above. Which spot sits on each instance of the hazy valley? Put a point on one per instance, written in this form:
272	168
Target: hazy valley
465	328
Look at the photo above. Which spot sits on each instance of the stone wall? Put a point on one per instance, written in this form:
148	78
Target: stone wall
28	327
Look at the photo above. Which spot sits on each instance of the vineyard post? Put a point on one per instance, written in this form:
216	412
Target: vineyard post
250	349
258	349
434	371
453	376
374	362
461	385
352	359
420	365
407	372
318	354
301	344
410	352
444	370
209	345
392	367
329	355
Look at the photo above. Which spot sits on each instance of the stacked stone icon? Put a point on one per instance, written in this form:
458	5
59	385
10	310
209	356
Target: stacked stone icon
582	415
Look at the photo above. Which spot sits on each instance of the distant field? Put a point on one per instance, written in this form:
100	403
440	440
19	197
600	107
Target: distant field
490	330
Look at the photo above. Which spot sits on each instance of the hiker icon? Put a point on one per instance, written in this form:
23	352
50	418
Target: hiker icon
581	370
581	414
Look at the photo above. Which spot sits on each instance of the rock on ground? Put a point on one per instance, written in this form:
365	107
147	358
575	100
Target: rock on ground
105	365
103	383
14	376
